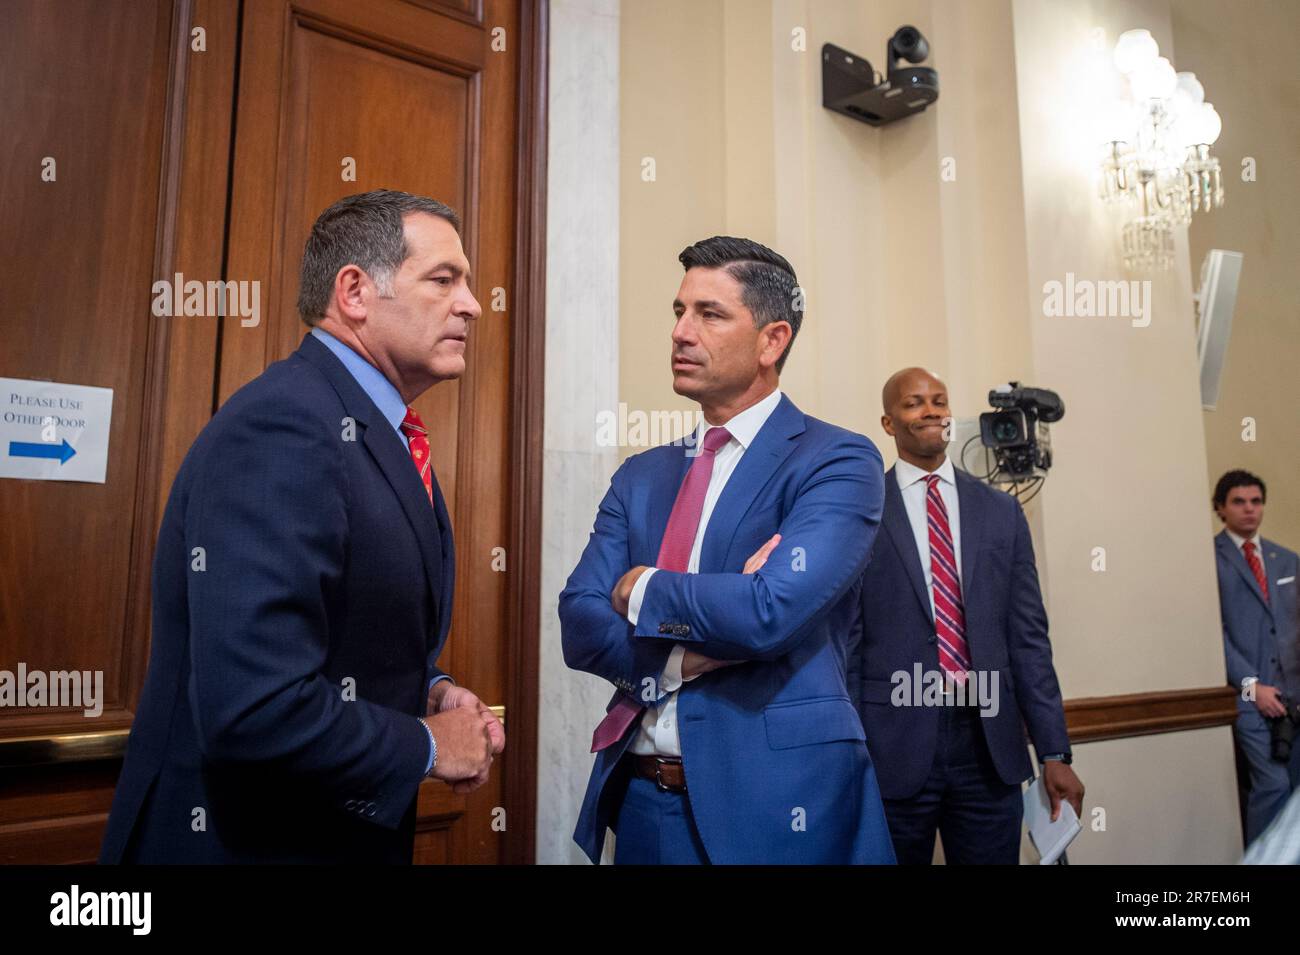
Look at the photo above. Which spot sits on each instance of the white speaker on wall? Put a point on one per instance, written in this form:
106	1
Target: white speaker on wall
1214	304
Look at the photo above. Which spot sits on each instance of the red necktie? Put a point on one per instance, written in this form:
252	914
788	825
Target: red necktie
1256	567
949	612
417	436
674	554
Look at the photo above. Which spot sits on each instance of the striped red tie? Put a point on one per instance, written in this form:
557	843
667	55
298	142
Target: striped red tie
417	436
1256	567
949	612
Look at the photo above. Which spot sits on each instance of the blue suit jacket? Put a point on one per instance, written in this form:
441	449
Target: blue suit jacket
776	764
322	562
1259	636
1006	631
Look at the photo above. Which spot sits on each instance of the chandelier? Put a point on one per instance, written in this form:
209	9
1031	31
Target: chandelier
1156	166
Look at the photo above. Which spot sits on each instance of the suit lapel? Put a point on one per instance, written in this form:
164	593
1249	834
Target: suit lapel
771	446
1238	560
448	560
899	530
971	527
394	461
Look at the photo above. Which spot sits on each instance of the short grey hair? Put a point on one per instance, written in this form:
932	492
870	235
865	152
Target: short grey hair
366	230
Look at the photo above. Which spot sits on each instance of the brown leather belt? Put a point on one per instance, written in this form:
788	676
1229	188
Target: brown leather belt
666	772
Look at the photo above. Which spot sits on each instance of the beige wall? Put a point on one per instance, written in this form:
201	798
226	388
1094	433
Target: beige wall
1247	63
902	267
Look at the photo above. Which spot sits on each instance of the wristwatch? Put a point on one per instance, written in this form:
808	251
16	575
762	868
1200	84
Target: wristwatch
1063	757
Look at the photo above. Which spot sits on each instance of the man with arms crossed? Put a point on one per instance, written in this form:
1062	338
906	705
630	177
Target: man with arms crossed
718	594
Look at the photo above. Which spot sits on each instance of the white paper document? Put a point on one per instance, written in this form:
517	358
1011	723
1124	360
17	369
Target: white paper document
1049	838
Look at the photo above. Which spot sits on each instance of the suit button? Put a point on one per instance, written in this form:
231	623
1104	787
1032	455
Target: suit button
682	630
350	805
370	810
665	628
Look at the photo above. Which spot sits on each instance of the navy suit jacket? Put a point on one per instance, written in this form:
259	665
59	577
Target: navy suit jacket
1006	631
1259	636
776	764
301	593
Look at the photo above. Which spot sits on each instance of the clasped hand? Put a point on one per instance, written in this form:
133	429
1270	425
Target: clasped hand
469	735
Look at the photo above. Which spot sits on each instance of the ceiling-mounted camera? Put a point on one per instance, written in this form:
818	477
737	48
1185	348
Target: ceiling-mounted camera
851	87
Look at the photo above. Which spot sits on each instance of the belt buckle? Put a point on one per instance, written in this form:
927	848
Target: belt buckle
660	761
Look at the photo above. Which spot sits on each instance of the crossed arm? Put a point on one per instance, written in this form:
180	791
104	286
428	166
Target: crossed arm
823	546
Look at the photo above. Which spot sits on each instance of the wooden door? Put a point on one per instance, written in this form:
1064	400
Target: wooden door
203	137
336	98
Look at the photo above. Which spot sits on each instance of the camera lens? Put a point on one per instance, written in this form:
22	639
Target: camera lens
1006	430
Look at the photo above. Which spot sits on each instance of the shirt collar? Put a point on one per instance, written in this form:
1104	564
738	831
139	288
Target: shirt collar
745	426
372	381
1238	541
908	473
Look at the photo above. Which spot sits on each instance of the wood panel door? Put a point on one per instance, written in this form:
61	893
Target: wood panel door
334	98
135	125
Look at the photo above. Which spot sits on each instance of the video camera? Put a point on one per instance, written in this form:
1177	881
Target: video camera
1017	432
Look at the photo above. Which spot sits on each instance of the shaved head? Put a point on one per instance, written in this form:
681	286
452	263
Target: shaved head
917	416
898	385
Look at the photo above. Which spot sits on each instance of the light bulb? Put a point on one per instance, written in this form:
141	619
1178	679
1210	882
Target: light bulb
1155	80
1190	86
1134	49
1210	123
1188	95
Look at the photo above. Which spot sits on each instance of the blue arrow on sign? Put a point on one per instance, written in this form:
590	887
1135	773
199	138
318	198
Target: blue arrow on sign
25	449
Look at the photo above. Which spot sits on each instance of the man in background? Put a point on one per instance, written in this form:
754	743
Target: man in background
1257	598
952	591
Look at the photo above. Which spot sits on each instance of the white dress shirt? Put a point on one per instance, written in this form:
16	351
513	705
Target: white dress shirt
658	731
911	483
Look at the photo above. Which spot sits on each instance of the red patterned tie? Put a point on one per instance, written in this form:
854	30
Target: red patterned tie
1256	567
674	554
417	436
949	612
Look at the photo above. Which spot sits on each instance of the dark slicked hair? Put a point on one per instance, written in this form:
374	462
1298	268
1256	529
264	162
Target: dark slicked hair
769	287
366	230
1237	478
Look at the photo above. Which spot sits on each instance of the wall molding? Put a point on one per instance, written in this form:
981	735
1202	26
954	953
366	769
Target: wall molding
1093	718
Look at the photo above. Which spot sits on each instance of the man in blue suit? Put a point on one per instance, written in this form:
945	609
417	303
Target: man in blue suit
718	595
303	579
951	600
1261	641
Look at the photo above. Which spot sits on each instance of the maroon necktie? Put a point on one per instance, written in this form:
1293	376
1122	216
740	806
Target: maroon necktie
949	611
1256	567
674	554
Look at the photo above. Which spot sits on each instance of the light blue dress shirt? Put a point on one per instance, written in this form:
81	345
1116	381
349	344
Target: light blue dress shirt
390	404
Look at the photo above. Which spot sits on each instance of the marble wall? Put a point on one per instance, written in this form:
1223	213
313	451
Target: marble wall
582	281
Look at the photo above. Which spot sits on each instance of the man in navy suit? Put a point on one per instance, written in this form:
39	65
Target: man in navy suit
303	579
1261	641
718	595
951	600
